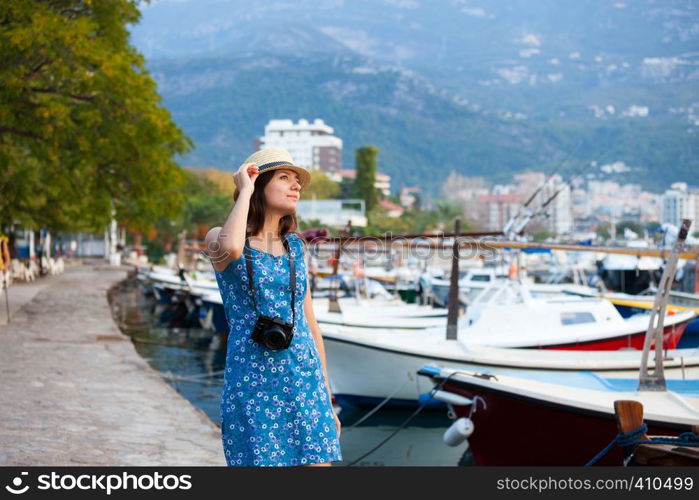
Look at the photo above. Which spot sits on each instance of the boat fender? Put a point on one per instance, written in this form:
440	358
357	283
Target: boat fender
459	431
451	398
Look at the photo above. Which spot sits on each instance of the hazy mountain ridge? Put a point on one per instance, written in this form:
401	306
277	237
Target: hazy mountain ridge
478	96
224	103
478	41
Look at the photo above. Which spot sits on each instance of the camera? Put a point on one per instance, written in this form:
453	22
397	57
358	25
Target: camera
273	333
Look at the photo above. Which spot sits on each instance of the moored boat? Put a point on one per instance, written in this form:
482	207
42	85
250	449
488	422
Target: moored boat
544	420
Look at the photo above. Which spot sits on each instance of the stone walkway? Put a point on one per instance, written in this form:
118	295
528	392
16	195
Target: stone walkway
19	294
74	391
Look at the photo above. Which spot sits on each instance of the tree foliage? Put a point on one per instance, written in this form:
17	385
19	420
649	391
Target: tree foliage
631	225
604	231
417	221
347	189
206	204
82	130
365	180
221	179
321	187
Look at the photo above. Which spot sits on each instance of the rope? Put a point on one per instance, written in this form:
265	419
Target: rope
406	422
199	379
629	439
378	406
194	377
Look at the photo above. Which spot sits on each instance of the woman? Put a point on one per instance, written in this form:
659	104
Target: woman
276	404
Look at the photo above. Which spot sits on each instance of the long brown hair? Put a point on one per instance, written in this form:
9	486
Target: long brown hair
258	205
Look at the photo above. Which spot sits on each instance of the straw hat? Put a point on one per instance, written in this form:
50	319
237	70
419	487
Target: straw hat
276	159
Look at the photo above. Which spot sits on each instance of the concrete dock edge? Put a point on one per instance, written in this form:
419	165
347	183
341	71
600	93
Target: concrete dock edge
74	391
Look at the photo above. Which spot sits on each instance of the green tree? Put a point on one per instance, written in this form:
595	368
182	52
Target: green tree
205	206
604	231
445	212
652	226
347	189
632	225
364	182
82	130
379	223
414	221
321	187
541	235
207	203
309	224
417	204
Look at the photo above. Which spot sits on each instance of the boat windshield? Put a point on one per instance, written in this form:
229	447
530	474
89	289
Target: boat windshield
576	318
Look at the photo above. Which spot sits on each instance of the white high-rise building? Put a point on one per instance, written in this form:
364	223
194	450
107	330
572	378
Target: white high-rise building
560	211
680	202
558	216
312	145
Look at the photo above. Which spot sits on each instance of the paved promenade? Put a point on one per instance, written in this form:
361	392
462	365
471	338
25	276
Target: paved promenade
74	391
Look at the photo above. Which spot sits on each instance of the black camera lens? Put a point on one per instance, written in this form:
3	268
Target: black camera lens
275	338
272	333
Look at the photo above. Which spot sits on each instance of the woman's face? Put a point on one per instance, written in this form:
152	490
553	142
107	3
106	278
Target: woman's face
283	191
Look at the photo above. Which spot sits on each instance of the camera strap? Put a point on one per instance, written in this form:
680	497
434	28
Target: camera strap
292	276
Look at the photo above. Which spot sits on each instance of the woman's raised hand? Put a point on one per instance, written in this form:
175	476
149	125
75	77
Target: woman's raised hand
245	177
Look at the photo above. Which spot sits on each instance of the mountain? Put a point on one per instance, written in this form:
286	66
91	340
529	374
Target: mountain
422	133
486	88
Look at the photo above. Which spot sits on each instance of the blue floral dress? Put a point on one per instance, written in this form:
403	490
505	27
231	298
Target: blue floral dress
275	409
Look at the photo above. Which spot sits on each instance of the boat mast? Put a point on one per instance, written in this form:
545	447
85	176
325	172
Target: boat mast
655	380
453	311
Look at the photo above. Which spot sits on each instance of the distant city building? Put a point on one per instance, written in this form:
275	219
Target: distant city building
611	202
590	204
494	210
528	182
464	192
558	215
392	209
408	196
680	202
333	213
382	181
650	206
312	145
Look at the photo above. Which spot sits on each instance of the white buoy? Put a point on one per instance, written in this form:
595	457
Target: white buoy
459	431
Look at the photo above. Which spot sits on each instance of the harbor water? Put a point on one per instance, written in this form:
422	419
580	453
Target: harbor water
192	360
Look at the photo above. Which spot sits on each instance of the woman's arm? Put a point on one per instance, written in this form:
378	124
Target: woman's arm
318	339
225	244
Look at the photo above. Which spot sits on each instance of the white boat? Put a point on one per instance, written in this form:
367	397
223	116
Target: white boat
362	313
474	281
367	366
568	322
181	280
676	300
373	313
471	282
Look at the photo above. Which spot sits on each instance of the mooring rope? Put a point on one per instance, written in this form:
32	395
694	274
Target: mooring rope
629	439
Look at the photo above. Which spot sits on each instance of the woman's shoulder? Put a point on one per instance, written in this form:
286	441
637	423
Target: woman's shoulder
296	242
